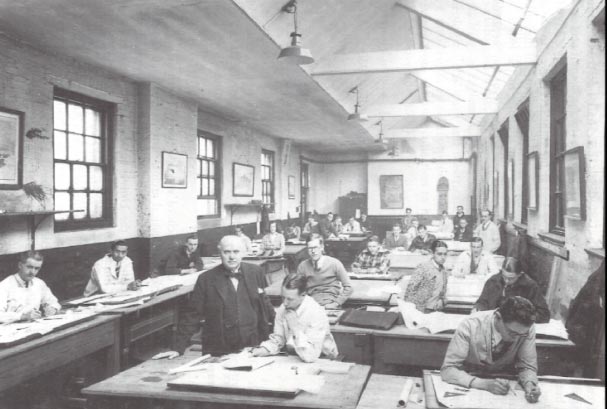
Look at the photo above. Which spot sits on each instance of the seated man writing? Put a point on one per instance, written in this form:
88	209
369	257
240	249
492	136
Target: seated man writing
494	342
352	226
301	325
185	259
428	284
273	243
373	259
475	261
23	296
396	239
423	241
511	281
113	273
462	231
328	281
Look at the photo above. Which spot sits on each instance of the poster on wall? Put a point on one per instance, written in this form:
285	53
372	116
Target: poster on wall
533	180
174	170
391	191
11	148
575	189
243	179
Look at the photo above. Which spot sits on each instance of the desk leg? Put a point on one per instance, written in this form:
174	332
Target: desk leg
113	352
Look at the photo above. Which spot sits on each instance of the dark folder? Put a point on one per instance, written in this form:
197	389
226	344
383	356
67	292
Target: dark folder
369	319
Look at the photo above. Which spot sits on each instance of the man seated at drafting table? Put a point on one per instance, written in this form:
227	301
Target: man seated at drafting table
475	261
396	239
352	226
301	325
23	296
273	242
185	259
428	284
113	273
423	241
491	342
373	259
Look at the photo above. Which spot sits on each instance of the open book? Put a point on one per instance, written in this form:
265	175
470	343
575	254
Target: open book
434	322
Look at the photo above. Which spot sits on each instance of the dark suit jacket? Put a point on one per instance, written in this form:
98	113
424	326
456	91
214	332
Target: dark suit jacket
179	260
207	303
466	235
326	228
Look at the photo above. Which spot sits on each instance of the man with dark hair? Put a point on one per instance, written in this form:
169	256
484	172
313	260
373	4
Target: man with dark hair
328	281
489	232
112	273
462	231
459	215
492	342
23	296
423	241
372	259
273	243
300	324
326	226
364	223
406	221
396	239
446	225
475	261
511	281
185	259
428	284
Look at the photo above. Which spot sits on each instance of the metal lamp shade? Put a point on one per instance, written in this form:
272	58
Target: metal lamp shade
296	54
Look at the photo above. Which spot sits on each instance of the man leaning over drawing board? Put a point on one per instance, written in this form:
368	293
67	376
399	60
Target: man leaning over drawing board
301	325
491	342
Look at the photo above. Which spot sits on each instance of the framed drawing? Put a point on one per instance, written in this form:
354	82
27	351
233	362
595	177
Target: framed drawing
243	181
11	148
511	188
291	187
533	166
174	170
391	191
575	186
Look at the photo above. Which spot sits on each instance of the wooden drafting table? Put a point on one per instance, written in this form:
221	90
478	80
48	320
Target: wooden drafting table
382	392
146	385
294	254
30	359
273	267
345	250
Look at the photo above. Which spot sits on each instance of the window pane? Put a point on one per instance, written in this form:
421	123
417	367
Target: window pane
205	187
199	168
205	168
75	118
79	174
200	187
95	178
62	177
80	204
211	168
60	145
202	147
93	150
75	149
92	122
210	150
59	115
62	202
211	187
96	205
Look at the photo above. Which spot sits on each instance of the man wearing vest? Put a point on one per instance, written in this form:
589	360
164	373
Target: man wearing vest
489	232
231	301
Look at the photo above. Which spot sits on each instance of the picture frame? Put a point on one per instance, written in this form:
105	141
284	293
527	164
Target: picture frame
174	170
575	186
243	179
511	188
291	187
11	148
533	180
391	191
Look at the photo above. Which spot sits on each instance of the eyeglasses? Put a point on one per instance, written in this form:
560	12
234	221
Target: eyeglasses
441	253
314	248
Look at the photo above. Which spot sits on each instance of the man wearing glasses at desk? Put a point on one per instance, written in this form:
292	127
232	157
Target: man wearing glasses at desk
495	342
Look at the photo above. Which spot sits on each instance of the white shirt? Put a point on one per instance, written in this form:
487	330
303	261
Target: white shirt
16	297
446	226
353	227
314	338
490	234
104	278
486	264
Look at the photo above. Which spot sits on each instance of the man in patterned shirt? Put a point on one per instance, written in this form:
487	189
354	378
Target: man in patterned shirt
428	284
372	260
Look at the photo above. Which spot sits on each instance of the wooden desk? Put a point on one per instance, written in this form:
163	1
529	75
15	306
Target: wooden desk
273	267
33	358
382	392
145	385
345	250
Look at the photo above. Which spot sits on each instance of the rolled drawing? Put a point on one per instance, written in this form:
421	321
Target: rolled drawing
404	394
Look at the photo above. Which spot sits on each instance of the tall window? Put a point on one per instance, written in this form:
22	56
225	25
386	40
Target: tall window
522	119
558	114
82	141
504	137
267	177
209	186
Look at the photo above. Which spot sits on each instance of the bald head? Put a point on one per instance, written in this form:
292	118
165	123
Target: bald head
231	249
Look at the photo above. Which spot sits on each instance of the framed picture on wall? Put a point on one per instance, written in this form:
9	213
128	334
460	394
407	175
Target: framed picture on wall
243	181
291	187
533	166
511	188
11	148
391	191
174	170
575	186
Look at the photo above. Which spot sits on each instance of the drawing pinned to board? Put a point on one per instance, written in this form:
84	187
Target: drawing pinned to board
391	191
11	148
174	170
243	179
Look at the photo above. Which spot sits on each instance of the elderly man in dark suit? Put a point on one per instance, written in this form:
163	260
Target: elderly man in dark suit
231	301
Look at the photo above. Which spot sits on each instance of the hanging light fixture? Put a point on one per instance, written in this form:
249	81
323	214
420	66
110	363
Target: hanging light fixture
380	136
356	116
295	53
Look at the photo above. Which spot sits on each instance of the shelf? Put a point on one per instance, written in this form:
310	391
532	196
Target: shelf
31	220
235	206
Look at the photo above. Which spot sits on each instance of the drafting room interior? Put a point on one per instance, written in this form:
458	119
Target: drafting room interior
152	121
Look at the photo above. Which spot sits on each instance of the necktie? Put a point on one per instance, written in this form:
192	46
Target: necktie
235	274
117	270
316	268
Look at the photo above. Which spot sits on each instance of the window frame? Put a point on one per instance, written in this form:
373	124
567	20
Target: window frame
522	118
107	131
558	136
272	180
218	176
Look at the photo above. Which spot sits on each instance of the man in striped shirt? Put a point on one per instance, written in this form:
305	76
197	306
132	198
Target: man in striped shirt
373	259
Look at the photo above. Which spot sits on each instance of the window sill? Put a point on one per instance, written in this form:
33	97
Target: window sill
552	238
599	253
520	227
551	243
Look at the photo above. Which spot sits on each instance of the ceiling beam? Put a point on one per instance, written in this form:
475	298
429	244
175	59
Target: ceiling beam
418	42
479	106
432	132
461	19
427	59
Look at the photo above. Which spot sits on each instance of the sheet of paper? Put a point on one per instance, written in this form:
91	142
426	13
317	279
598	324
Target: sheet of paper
554	328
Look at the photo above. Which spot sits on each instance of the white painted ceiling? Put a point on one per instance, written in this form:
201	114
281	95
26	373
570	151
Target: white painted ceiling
222	54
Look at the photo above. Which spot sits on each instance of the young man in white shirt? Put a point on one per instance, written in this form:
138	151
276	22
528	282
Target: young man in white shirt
23	296
475	261
301	325
489	232
113	273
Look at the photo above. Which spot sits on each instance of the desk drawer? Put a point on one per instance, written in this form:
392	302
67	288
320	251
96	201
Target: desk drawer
426	353
150	324
355	347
